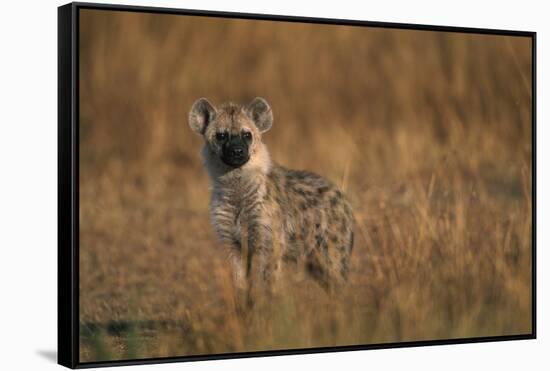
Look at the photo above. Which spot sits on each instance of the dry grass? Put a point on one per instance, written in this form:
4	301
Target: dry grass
428	133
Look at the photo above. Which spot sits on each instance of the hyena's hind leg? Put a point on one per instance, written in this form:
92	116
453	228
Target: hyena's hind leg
345	256
342	247
329	266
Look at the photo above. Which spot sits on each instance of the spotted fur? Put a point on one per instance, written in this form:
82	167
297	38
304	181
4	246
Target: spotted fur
265	214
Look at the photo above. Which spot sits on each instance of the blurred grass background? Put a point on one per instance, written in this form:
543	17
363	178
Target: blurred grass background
429	134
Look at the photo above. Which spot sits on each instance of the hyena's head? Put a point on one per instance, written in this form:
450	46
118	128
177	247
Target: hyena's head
232	133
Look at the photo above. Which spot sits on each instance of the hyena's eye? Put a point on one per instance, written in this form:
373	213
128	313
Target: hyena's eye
221	136
247	135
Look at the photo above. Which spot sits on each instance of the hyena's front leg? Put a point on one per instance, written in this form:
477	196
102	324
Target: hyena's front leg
237	257
229	235
259	255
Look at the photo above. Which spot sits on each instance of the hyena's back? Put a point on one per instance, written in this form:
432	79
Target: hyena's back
316	222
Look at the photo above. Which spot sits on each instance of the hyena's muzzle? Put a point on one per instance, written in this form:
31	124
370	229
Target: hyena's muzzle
235	149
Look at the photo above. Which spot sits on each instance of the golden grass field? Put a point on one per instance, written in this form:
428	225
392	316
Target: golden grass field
428	133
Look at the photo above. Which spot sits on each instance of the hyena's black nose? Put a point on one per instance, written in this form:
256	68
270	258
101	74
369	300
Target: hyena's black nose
237	151
235	155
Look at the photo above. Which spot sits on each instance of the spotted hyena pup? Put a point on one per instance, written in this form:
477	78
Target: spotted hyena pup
263	213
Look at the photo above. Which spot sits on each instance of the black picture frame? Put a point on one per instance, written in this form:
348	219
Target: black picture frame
68	182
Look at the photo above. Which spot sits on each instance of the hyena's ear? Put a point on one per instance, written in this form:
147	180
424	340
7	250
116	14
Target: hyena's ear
202	113
260	111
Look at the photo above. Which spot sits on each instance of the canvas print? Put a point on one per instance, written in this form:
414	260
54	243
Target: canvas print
256	185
